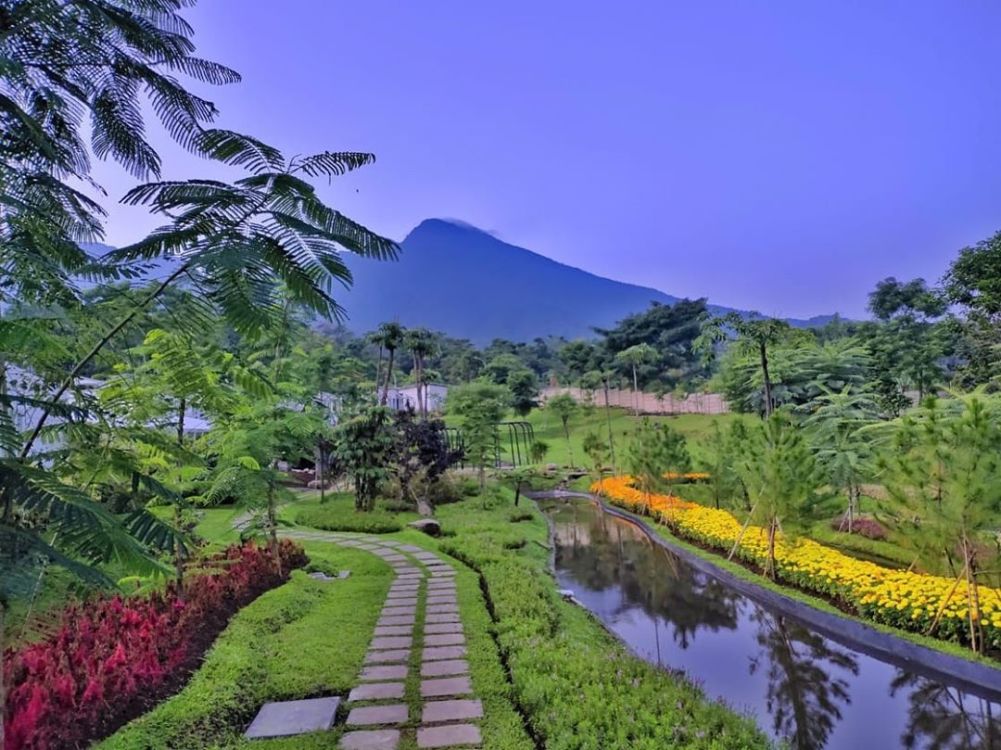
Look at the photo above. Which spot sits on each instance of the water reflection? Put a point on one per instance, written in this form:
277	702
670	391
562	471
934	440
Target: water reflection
803	688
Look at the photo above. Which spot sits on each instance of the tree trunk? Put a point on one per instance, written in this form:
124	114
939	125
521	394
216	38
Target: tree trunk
389	377
180	421
178	549
3	682
636	398
378	371
273	527
319	473
517	492
771	549
611	441
767	378
566	431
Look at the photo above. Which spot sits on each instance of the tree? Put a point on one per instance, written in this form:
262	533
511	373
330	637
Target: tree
753	334
635	357
720	449
363	445
657	456
780	474
602	378
837	421
564	407
942	469
538	451
524	388
421	343
420	456
974	283
481	406
390	337
595	449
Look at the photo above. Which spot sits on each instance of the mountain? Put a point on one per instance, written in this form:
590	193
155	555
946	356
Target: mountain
456	278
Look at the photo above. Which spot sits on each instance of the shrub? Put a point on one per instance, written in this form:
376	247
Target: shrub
521	515
333	519
870	528
114	656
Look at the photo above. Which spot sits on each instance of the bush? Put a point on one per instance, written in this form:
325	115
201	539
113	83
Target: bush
870	528
521	515
332	519
112	657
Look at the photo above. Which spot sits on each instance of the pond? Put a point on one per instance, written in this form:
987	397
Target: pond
802	688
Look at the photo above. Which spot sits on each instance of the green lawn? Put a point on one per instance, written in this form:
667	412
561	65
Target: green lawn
549	429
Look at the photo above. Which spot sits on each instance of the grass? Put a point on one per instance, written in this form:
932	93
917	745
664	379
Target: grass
338	514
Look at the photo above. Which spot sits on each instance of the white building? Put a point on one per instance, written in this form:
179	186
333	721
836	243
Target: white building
401	399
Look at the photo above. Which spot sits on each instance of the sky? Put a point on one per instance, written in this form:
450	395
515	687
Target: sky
776	156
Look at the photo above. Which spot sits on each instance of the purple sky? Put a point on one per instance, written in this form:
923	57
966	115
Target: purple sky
779	156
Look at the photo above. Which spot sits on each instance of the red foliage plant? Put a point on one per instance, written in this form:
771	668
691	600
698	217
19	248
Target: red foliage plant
870	528
114	657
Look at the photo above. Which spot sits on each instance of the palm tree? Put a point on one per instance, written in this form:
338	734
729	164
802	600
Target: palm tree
421	343
389	336
635	357
753	335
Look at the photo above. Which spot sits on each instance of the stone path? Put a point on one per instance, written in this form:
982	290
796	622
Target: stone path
419	638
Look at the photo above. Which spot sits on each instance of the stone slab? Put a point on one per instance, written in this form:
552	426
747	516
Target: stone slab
287	718
395	641
396	620
389	610
442	609
404	590
444	668
443	652
394	713
436	712
403	601
442	639
384	673
379	739
392	656
383	630
437	619
441	599
377	691
451	735
435	628
411	548
440	687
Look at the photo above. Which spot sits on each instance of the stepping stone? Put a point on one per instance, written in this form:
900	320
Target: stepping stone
379	739
437	627
411	578
443	574
383	630
406	609
405	601
441	583
411	548
377	691
458	710
395	641
442	609
443	652
396	620
443	639
287	718
393	656
448	736
441	599
395	713
439	587
445	686
384	673
444	668
438	619
404	588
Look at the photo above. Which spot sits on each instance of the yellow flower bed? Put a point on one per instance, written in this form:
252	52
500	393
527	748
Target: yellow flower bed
904	599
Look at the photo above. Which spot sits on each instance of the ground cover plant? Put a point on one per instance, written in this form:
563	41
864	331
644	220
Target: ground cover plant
577	685
112	657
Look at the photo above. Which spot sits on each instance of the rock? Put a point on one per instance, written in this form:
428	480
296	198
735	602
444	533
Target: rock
315	484
428	525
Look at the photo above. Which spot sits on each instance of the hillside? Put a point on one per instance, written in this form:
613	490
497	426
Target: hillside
454	278
458	279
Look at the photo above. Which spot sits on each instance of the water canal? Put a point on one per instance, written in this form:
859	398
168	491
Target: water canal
803	688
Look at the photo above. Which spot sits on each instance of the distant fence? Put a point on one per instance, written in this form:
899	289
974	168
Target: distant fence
648	403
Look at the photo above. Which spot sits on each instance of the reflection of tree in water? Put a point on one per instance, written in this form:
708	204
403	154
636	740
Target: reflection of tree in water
945	718
804	695
602	552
